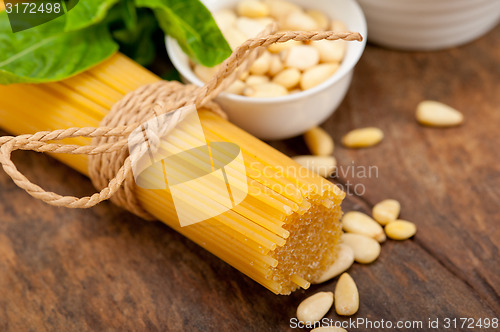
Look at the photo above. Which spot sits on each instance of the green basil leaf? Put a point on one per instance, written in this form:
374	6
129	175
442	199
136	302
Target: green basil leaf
129	14
172	75
46	53
123	16
192	25
138	42
87	13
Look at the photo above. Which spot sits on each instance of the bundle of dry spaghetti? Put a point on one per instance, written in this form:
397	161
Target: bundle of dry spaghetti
284	232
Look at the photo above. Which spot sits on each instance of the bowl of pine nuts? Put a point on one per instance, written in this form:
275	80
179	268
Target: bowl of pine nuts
292	86
427	25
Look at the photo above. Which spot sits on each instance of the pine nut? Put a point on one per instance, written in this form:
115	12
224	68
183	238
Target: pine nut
280	9
299	21
330	50
360	223
314	307
400	230
252	8
225	19
322	22
266	90
236	87
265	21
249	27
301	57
386	211
256	79
329	329
234	37
261	65
317	75
244	76
294	65
346	296
288	78
436	114
321	165
344	260
363	138
278	47
338	26
205	73
319	142
366	250
276	65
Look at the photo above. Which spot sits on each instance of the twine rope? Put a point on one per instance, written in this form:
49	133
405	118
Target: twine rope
110	166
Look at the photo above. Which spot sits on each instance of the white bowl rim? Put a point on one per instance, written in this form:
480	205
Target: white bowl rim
345	68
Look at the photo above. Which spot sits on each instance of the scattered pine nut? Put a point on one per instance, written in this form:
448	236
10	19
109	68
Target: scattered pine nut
344	260
360	223
436	114
321	165
319	142
363	138
366	250
346	296
315	307
252	8
400	230
329	329
386	211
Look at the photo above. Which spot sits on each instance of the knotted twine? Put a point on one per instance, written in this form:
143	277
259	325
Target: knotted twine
110	166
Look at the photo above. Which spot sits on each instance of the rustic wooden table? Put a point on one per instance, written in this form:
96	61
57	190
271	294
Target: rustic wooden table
104	269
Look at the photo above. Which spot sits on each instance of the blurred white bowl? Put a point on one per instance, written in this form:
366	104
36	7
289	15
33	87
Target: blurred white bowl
287	116
428	24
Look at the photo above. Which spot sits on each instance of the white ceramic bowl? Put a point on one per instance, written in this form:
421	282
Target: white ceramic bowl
287	116
428	24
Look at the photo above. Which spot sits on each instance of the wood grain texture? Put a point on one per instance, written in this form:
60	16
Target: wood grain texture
106	270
